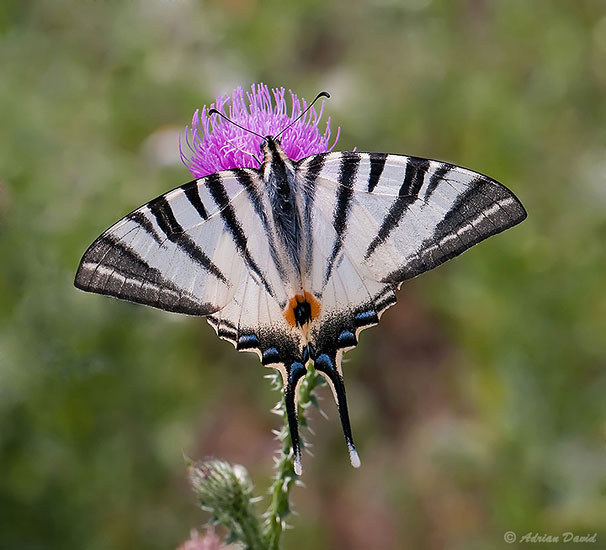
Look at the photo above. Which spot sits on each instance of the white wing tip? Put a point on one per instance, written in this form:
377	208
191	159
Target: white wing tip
354	457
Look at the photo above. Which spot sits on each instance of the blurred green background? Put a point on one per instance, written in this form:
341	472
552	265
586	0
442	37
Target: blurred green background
478	405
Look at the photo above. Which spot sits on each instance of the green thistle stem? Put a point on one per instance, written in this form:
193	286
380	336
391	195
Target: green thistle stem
225	490
285	477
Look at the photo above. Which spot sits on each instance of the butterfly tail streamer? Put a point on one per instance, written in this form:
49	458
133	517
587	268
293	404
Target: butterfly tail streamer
327	366
296	372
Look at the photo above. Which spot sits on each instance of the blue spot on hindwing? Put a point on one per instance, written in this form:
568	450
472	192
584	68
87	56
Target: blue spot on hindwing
297	370
270	355
365	318
248	341
324	362
346	339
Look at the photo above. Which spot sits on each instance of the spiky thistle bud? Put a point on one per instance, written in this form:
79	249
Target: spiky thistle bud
226	492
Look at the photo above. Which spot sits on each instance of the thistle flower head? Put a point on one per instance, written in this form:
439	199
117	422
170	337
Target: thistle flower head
213	144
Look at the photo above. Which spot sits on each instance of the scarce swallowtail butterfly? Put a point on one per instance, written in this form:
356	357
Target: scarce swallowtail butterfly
294	259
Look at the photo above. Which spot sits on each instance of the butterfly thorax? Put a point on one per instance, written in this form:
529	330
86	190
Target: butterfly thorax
279	175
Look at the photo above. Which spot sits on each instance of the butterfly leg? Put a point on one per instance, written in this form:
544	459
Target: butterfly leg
327	365
294	373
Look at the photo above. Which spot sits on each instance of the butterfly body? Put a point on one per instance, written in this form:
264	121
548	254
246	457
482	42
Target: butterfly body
294	259
279	173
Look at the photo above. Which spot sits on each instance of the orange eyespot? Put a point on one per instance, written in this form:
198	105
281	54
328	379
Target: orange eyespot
301	309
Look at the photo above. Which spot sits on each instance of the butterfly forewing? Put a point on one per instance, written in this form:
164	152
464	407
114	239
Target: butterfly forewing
135	260
164	253
407	215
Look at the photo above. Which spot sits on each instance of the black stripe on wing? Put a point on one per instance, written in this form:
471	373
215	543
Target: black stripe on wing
245	179
232	224
436	178
111	267
140	218
377	164
416	168
347	175
216	322
192	193
384	299
161	210
484	209
313	169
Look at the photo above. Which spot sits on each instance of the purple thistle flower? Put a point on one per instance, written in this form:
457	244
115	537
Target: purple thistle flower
214	144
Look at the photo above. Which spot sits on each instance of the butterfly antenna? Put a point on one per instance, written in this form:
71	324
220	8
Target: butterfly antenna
215	112
321	94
